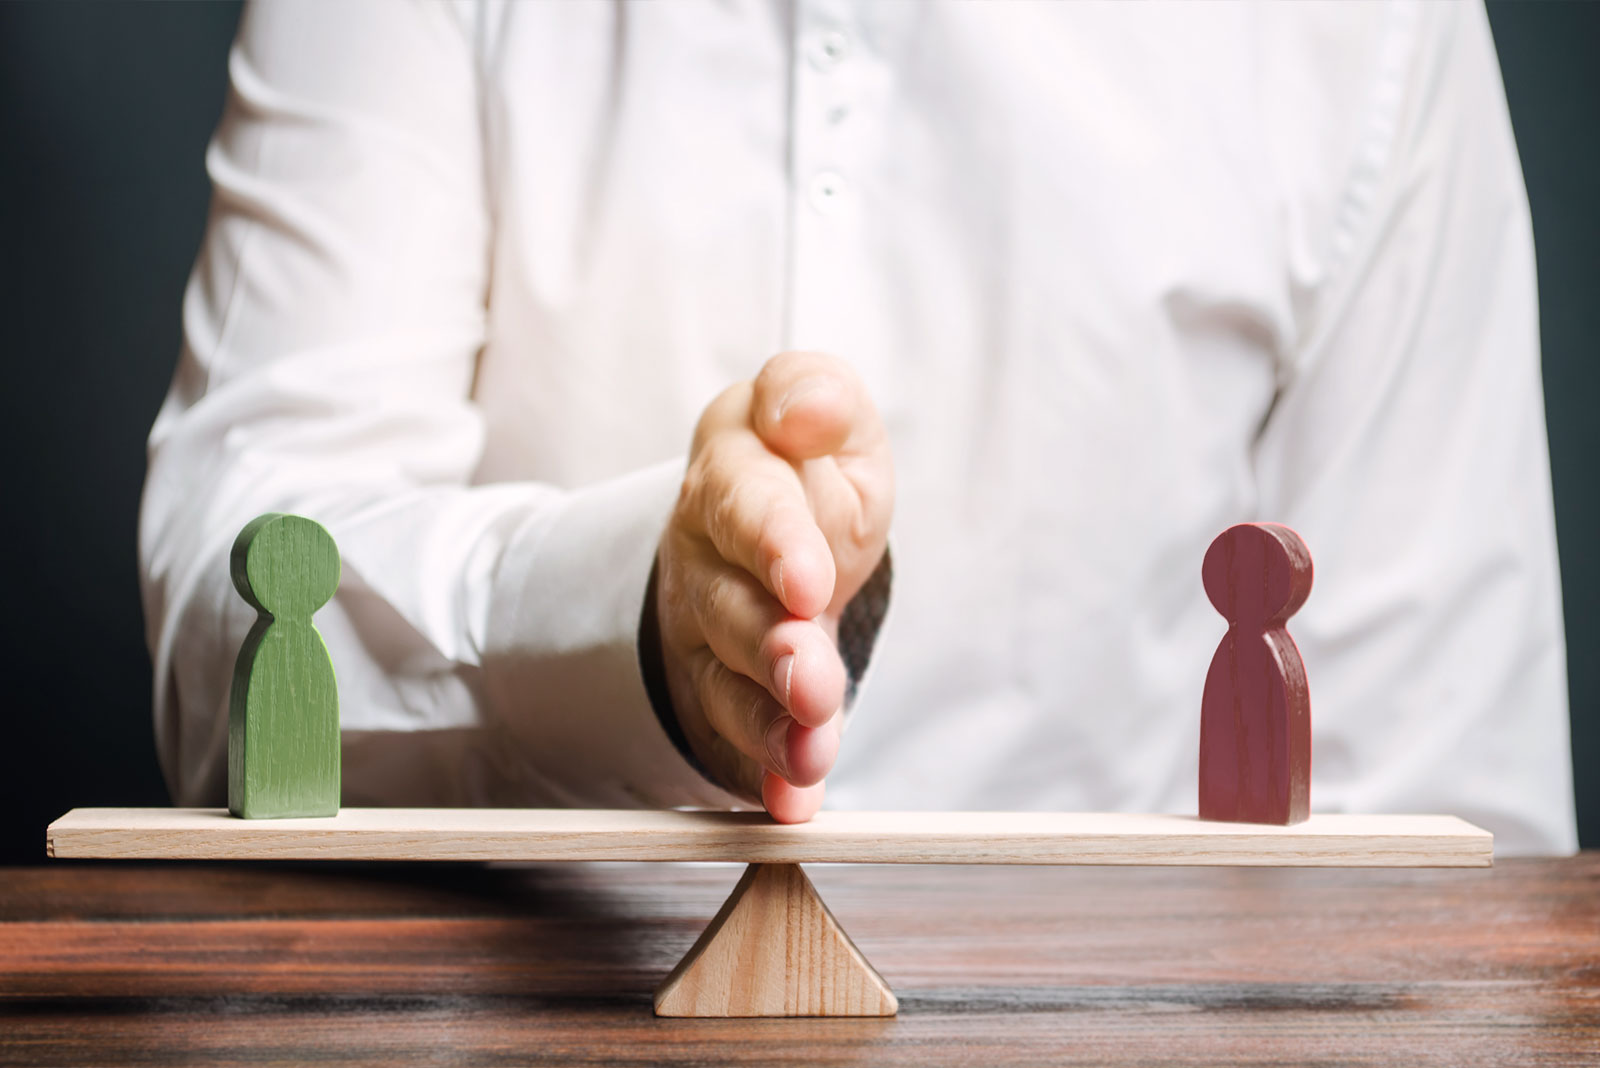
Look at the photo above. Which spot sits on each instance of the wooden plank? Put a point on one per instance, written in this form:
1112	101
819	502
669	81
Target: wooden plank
751	837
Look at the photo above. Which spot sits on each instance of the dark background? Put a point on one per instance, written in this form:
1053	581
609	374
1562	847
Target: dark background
104	116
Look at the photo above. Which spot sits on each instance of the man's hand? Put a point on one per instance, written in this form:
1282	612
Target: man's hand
784	514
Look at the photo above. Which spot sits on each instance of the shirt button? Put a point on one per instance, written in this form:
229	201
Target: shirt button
827	189
828	50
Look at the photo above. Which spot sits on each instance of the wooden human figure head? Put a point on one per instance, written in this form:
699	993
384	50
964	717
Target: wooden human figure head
285	565
1255	716
283	710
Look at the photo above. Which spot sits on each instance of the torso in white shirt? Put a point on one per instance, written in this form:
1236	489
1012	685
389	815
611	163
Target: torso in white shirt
1117	276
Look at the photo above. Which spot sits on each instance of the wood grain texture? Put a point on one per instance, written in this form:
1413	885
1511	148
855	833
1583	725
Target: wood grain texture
751	837
283	706
1255	715
448	964
774	949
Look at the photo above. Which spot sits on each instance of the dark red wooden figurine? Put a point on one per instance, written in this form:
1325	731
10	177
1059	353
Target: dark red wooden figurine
1255	717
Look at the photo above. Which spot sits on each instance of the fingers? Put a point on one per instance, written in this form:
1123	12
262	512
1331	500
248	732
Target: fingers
746	716
808	404
788	803
813	410
808	493
784	511
750	505
796	660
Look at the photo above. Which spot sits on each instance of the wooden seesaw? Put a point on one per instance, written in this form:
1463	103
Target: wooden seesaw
773	949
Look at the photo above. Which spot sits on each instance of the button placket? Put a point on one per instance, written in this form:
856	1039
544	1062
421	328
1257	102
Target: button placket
824	287
828	48
822	102
827	190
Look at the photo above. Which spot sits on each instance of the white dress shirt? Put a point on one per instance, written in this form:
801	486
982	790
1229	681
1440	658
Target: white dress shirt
1117	276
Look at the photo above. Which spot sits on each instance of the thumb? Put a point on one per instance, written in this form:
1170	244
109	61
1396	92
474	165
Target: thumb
810	404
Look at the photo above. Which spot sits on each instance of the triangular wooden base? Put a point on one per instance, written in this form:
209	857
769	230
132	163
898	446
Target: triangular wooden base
774	949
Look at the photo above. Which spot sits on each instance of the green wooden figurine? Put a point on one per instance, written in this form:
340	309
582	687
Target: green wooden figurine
283	710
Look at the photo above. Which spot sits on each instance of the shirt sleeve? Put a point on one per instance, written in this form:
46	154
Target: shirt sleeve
1408	445
484	636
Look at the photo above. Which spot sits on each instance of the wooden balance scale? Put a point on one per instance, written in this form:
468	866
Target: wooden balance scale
773	949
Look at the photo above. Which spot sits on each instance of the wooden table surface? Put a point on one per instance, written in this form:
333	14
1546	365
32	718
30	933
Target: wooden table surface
105	963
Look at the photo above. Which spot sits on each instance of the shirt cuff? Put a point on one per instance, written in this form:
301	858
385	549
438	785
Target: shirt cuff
560	662
861	622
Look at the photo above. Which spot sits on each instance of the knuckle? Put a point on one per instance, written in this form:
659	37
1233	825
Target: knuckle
766	540
714	600
699	479
688	491
770	532
731	516
670	583
755	717
669	587
705	497
708	682
729	405
863	531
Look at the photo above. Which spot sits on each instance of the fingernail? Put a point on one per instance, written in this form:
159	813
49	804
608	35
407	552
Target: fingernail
799	392
783	677
777	579
778	744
